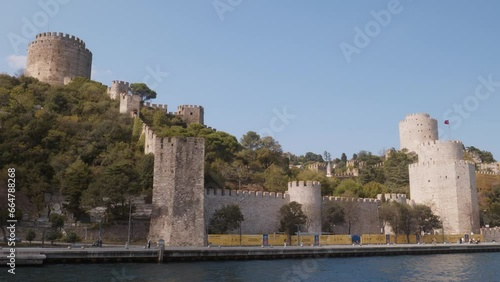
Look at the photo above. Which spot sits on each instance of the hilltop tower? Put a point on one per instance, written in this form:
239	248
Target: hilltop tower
118	87
416	129
54	56
191	114
130	103
308	194
178	214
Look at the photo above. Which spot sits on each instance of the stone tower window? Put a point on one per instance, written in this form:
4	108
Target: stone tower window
191	114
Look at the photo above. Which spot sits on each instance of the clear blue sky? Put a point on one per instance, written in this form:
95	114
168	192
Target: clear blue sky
253	58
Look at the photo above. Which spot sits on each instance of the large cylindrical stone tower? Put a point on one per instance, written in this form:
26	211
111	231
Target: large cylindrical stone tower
444	181
52	56
308	194
416	129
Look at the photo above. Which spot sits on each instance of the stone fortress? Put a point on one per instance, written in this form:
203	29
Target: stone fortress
441	178
182	205
55	57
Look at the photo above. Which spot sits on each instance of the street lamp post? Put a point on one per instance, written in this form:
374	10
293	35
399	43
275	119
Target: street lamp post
129	222
99	219
298	232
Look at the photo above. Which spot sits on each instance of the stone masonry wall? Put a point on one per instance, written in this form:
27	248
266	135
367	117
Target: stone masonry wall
449	189
117	88
308	194
52	56
416	129
365	211
260	209
191	114
178	192
129	103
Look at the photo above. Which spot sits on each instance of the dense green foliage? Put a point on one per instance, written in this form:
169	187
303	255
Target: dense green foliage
484	156
71	140
142	90
490	207
405	219
291	217
333	214
30	236
225	219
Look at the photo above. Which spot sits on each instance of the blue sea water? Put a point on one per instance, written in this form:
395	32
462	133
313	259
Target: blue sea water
449	267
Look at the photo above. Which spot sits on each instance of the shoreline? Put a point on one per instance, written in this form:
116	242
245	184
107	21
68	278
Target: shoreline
137	254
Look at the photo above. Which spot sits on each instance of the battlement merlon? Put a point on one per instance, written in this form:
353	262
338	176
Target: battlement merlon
486	172
242	194
431	163
414	116
440	142
156	106
304	184
60	36
350	199
187	107
121	82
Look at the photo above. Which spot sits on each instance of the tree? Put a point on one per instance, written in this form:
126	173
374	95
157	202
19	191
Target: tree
290	216
349	187
372	174
276	179
491	206
57	221
407	220
396	170
333	215
250	141
327	156
311	157
75	181
426	220
53	235
72	237
351	213
389	214
484	156
343	157
225	219
372	189
142	90
30	236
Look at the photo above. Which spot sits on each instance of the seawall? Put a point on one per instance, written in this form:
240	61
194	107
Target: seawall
53	255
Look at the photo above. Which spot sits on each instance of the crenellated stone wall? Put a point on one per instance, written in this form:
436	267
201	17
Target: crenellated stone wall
364	211
260	209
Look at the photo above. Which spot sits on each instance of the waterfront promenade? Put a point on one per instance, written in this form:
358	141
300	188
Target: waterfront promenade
27	255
